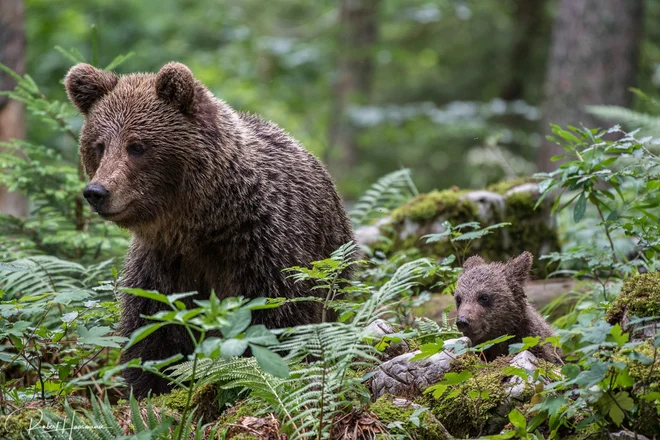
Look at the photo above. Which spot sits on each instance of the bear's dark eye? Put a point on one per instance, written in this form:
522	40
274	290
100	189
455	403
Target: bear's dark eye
484	299
100	148
458	301
134	149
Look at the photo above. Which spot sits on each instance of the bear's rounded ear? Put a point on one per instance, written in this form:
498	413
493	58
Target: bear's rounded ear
473	262
175	84
517	269
85	84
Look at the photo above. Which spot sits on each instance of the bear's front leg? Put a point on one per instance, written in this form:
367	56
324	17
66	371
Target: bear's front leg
145	270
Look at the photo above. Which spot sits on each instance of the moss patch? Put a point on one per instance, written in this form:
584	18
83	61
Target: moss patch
530	230
645	373
399	420
428	206
640	297
505	185
176	400
468	409
16	425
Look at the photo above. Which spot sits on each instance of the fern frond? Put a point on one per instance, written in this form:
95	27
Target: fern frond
649	124
102	424
41	274
389	192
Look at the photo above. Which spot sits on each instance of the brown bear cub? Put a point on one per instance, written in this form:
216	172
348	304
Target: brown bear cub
214	199
491	302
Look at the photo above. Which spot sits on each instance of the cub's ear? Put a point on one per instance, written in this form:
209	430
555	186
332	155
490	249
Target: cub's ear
175	84
86	84
473	262
517	271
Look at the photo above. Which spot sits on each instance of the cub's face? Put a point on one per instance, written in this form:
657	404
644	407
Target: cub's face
135	139
490	298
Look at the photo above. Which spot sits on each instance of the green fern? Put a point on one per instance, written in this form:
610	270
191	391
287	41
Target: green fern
43	275
648	124
101	423
389	192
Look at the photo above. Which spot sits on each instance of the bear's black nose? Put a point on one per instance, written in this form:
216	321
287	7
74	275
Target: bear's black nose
95	195
462	323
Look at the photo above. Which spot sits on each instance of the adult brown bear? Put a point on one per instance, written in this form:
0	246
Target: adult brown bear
214	199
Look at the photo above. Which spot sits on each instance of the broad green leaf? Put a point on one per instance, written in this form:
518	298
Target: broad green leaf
143	332
149	294
517	419
270	362
260	335
233	348
580	208
237	322
96	336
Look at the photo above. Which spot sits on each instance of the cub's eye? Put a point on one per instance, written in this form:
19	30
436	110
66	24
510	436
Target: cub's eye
100	148
134	149
484	298
458	301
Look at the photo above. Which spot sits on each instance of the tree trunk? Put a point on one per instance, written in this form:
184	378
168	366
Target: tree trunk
12	124
593	61
531	29
358	32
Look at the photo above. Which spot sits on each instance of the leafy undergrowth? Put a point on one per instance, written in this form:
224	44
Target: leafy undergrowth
60	370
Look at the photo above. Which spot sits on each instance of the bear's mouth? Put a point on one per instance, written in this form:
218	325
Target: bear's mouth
110	215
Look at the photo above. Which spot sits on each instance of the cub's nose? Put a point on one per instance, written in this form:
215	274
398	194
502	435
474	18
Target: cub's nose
96	194
462	323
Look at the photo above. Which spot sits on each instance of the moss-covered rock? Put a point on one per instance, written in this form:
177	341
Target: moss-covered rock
640	297
397	414
480	405
646	375
514	202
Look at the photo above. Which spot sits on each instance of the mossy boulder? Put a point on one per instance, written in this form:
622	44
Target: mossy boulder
480	405
531	229
640	297
645	371
407	418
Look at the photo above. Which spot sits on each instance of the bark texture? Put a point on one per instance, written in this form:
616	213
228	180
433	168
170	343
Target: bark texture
593	61
12	125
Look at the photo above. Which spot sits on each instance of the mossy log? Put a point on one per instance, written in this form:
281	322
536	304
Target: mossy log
531	229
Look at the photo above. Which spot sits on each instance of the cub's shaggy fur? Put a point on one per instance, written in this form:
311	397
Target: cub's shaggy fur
214	199
491	302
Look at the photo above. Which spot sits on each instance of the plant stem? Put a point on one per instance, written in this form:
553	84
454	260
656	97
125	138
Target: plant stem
607	232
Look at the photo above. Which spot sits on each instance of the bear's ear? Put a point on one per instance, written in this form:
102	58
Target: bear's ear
175	84
473	262
517	271
86	84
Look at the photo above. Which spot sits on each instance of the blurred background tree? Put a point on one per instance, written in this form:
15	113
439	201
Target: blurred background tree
452	89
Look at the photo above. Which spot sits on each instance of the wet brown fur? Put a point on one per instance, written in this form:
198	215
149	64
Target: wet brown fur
217	200
491	297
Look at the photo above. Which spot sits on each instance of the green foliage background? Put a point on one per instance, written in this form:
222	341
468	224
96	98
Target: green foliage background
440	68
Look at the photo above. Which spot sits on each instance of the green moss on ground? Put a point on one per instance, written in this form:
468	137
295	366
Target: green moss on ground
646	375
429	428
16	425
176	400
640	297
467	409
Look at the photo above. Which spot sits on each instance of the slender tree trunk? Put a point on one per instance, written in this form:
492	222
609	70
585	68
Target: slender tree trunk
358	32
593	61
12	123
531	28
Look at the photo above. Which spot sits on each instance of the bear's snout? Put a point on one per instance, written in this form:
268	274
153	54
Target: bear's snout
96	194
462	322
